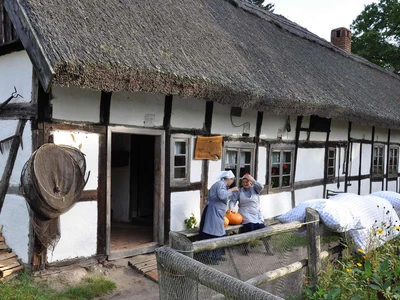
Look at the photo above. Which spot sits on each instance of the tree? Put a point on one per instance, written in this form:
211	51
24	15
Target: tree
260	3
376	34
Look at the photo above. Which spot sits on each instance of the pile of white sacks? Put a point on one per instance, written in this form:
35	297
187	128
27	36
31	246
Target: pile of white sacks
369	221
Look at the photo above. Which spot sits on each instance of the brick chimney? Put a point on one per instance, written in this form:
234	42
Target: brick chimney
341	37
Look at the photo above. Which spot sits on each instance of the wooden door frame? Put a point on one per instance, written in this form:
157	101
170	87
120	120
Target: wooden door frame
159	180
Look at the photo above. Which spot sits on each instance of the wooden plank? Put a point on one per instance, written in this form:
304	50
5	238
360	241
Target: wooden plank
8	261
10	266
3	246
141	259
146	264
4	256
152	275
149	268
11	271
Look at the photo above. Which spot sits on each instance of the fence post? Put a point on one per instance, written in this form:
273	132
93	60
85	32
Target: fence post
314	247
173	285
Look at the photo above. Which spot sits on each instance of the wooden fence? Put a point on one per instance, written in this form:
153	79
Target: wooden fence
185	286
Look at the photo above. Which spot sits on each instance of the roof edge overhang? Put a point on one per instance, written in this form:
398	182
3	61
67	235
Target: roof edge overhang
30	41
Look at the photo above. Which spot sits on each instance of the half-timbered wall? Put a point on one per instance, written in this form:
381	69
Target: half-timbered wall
15	72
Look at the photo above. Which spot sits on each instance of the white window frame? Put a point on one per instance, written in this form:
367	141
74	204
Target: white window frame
333	166
239	148
281	163
393	169
179	139
380	148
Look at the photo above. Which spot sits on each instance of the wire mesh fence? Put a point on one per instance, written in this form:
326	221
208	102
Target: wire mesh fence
275	261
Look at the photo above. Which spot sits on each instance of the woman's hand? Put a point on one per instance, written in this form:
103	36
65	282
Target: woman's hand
234	189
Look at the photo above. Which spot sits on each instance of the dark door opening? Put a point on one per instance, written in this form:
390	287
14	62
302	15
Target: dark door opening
132	190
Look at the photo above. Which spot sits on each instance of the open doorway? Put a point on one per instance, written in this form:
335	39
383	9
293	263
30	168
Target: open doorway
134	193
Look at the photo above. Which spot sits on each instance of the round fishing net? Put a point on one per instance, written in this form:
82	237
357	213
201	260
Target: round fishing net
52	181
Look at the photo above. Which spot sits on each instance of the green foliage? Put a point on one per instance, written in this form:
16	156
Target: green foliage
376	34
191	222
371	275
24	287
259	3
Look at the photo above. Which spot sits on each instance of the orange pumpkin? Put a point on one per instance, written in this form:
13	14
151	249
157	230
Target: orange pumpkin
234	218
226	221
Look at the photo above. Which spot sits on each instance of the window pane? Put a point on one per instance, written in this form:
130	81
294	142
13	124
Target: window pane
180	161
276	156
245	157
180	147
274	182
179	173
287	156
244	170
330	163
285	180
230	159
286	168
331	172
275	169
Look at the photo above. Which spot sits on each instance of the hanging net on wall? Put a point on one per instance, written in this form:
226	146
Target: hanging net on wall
52	181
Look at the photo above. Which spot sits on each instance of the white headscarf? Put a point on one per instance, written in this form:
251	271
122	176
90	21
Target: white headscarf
225	174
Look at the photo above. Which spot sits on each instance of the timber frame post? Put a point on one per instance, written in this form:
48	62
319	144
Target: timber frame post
172	284
314	246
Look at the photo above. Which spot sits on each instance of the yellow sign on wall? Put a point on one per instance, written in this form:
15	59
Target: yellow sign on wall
208	147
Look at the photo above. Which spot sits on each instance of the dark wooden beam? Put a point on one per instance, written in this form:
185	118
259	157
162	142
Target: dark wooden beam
11	47
347	158
5	179
31	42
167	170
260	116
105	103
372	159
14	111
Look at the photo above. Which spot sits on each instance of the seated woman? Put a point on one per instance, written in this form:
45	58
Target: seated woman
249	208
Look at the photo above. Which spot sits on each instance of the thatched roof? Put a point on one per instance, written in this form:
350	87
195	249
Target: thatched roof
222	50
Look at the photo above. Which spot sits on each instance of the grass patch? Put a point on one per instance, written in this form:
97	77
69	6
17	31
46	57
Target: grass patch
24	287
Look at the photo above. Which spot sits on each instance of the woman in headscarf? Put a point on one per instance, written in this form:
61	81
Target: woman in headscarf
249	208
212	219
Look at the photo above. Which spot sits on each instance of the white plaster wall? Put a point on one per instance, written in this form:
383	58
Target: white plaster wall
195	164
361	131
221	121
88	144
392	186
183	205
366	159
339	130
262	163
275	204
310	164
180	109
316	192
139	109
16	71
355	159
395	136
381	135
377	186
274	126
214	168
365	187
75	104
78	233
353	188
318	136
8	128
14	218
334	187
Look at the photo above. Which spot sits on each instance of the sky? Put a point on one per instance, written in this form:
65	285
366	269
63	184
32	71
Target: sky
320	16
